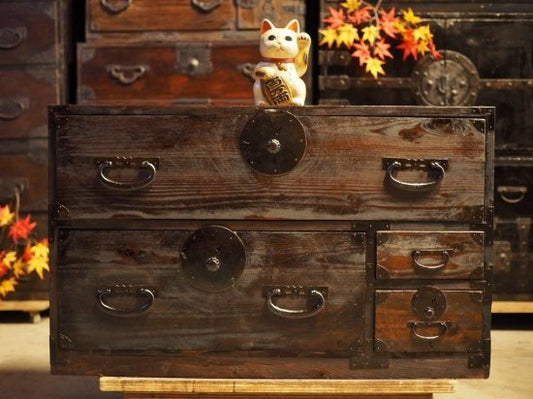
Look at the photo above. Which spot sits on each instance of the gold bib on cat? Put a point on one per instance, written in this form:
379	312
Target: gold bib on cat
276	91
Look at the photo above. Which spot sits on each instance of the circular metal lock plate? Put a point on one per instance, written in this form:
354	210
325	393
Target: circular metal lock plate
428	303
452	80
273	142
213	258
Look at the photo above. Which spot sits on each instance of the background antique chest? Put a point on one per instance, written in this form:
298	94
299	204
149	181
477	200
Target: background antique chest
33	74
487	49
310	242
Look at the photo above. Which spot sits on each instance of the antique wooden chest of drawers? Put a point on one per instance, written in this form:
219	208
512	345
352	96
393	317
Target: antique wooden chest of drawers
236	242
33	75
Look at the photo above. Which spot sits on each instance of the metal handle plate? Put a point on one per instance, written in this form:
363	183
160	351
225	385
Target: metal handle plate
443	327
436	170
12	108
205	5
317	293
115	6
149	166
11	38
512	194
104	294
127	74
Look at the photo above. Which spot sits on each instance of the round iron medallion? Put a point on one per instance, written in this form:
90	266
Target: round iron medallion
452	80
213	258
273	142
428	303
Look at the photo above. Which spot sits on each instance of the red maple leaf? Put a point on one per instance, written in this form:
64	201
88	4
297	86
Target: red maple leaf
387	22
381	50
360	15
362	52
28	254
21	229
3	267
336	19
434	51
409	45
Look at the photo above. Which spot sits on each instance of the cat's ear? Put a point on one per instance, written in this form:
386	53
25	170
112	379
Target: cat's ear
293	25
266	25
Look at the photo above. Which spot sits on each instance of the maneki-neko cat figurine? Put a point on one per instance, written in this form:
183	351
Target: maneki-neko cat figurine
285	53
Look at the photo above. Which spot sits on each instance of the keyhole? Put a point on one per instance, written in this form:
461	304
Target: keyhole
212	264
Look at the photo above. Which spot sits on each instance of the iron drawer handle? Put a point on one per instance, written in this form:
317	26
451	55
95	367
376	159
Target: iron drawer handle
443	326
206	6
435	166
117	9
444	253
11	38
127	74
103	294
295	314
146	165
517	193
10	108
247	69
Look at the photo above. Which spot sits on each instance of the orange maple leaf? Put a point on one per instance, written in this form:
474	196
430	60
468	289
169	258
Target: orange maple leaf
21	229
7	286
362	53
336	18
388	22
360	15
381	50
409	45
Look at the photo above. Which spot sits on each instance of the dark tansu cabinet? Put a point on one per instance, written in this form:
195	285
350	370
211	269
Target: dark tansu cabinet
310	242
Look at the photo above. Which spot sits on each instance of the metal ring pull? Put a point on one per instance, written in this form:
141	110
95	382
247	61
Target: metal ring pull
127	74
115	9
103	294
295	314
142	183
443	253
433	167
11	108
517	193
11	37
442	325
247	70
206	6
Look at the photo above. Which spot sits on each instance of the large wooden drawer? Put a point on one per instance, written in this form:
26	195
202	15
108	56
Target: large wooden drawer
339	167
24	96
29	32
197	16
196	309
166	73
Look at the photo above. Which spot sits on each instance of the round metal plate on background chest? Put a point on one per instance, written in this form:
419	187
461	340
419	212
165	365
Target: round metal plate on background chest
273	141
213	258
428	303
452	80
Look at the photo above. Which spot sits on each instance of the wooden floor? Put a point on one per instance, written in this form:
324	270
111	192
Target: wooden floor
24	364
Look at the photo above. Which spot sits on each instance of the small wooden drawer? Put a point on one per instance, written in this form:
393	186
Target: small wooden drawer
430	254
199	16
25	94
211	289
25	164
28	32
428	320
166	74
205	162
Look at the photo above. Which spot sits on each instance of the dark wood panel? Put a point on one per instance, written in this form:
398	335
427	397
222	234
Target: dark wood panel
430	254
25	94
394	318
235	319
202	173
29	32
217	78
158	15
280	12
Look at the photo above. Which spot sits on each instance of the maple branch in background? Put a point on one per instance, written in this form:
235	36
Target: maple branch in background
21	254
369	31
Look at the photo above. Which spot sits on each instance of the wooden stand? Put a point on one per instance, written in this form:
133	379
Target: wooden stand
167	388
32	307
512	307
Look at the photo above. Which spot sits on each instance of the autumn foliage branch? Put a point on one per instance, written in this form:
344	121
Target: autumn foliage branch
369	31
21	254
